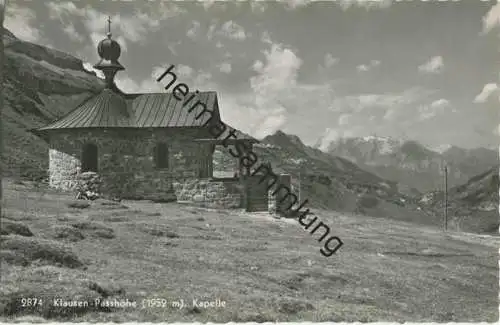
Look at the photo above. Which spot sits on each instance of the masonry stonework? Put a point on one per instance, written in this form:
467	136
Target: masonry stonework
279	203
126	160
220	194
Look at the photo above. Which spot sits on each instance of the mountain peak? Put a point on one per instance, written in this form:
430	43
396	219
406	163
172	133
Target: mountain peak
376	138
8	37
281	138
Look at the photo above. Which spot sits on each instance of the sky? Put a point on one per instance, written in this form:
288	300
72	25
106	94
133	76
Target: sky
412	70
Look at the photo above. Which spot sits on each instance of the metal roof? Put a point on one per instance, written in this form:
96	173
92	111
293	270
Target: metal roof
111	108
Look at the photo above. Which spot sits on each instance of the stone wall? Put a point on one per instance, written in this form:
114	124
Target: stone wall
278	204
219	194
256	193
63	170
126	160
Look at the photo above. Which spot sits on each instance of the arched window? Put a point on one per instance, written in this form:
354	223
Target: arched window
161	156
89	158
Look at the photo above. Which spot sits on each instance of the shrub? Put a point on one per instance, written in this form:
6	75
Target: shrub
368	201
89	182
48	250
292	306
104	233
78	204
67	232
156	230
95	228
9	227
11	257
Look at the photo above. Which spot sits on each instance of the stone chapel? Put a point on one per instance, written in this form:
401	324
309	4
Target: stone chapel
142	146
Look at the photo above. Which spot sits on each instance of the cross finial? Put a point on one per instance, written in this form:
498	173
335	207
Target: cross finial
109	27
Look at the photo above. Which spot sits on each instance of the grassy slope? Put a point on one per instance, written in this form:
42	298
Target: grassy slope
473	206
41	85
265	269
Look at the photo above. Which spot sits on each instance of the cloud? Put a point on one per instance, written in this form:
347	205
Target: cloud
331	135
265	37
433	66
193	31
229	29
440	103
358	115
345	4
382	107
437	107
149	85
72	33
194	79
492	18
330	61
369	102
184	71
276	78
207	4
163	11
258	6
130	86
344	119
277	97
488	90
211	31
233	31
90	67
172	47
362	68
257	66
367	4
496	130
294	4
279	72
133	28
225	67
369	66
19	21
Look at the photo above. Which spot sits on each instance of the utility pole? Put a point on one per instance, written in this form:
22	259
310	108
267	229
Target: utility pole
299	188
445	198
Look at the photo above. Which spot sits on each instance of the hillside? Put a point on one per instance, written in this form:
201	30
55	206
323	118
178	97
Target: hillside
410	163
41	85
472	206
265	269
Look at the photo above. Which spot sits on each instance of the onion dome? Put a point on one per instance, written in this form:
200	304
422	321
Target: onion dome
109	50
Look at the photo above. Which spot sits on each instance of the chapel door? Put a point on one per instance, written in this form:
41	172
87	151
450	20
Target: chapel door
89	158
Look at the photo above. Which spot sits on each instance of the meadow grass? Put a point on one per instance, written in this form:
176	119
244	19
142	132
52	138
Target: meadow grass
265	269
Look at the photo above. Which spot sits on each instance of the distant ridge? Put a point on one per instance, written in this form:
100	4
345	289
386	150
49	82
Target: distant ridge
412	164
